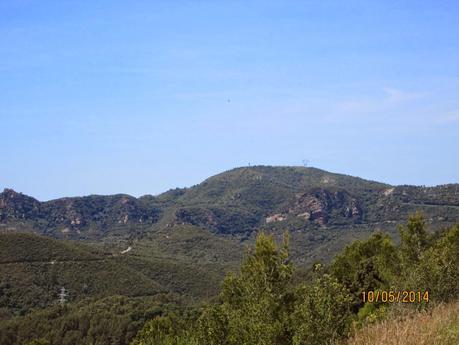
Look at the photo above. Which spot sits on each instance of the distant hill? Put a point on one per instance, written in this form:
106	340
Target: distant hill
80	217
237	202
34	269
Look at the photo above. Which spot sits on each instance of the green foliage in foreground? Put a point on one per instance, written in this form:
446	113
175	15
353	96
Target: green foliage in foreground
260	305
323	313
421	262
438	268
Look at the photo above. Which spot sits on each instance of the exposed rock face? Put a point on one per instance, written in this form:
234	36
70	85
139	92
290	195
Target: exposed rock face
388	191
320	205
278	217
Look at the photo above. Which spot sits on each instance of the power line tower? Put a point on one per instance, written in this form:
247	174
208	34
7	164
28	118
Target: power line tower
63	296
305	162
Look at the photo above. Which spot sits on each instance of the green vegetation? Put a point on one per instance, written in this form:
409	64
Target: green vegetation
437	266
114	298
261	305
24	247
185	241
33	269
236	203
208	225
367	265
112	320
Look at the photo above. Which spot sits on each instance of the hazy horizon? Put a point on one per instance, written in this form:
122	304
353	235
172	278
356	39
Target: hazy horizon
105	98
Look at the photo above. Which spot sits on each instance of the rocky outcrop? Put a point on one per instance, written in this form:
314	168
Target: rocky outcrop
15	206
321	205
278	217
77	216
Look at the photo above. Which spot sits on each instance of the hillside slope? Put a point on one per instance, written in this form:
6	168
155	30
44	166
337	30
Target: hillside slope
237	202
34	269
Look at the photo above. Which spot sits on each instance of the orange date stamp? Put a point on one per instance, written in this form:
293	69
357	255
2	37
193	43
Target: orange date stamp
402	296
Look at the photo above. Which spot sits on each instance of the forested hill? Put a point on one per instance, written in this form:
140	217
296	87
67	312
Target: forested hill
33	269
236	202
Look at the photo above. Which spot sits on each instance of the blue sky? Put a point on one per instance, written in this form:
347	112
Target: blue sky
102	97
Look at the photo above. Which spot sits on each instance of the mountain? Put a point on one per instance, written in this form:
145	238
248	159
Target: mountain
80	217
237	203
207	226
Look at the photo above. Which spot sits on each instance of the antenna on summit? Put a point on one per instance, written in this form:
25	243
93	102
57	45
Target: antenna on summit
305	162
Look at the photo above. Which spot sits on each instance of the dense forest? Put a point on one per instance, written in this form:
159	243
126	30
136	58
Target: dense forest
269	301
